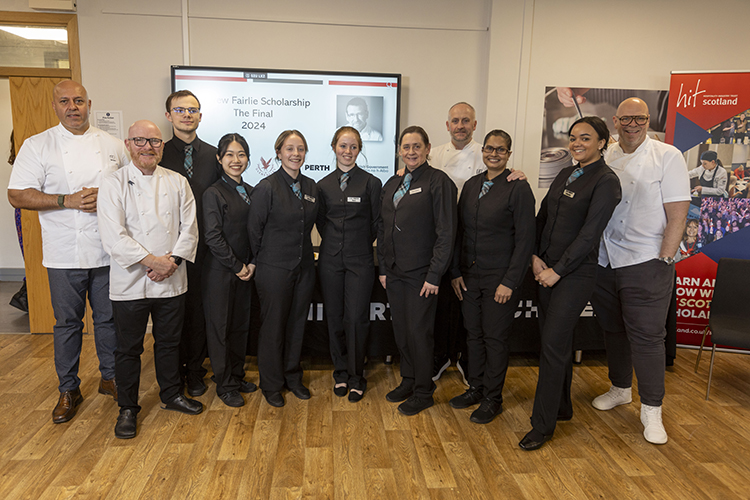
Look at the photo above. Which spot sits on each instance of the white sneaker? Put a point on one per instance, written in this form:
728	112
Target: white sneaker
653	429
615	396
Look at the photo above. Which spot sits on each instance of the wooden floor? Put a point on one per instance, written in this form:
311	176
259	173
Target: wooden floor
329	448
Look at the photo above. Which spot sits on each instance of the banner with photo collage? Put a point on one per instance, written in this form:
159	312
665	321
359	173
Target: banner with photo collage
707	120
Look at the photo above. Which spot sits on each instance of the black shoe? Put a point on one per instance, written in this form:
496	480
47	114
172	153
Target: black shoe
247	387
126	424
355	396
487	411
184	405
400	393
415	404
20	299
533	440
300	391
463	368
274	398
439	366
341	390
469	398
232	398
195	385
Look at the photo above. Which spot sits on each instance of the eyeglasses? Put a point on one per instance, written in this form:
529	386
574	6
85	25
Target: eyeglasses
490	150
640	120
141	141
191	111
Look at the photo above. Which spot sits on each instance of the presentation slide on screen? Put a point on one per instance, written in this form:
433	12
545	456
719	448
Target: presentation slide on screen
260	104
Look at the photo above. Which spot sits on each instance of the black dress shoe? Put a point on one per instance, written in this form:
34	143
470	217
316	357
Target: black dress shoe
469	398
355	396
487	411
341	390
533	440
184	405
274	398
232	398
300	391
414	405
400	393
247	387
195	386
126	424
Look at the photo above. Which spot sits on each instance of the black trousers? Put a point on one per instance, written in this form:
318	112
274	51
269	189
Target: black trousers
346	283
227	299
450	332
413	320
284	303
631	305
193	339
131	320
559	310
488	328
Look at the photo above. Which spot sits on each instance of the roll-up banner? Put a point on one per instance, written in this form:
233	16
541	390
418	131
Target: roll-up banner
707	120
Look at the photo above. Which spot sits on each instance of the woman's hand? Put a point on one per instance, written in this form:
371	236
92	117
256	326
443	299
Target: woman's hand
382	280
548	278
428	289
459	286
244	273
537	266
502	294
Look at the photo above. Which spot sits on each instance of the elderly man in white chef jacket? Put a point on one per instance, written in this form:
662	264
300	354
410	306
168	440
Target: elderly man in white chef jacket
57	173
147	221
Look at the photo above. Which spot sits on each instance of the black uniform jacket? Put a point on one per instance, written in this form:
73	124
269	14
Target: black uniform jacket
280	223
421	231
572	218
495	232
225	216
348	220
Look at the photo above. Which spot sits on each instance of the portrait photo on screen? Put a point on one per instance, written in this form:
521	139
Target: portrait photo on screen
365	113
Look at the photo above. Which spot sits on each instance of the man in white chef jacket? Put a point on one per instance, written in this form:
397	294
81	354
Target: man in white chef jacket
58	173
147	221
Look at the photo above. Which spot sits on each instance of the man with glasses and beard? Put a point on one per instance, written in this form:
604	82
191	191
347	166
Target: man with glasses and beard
147	221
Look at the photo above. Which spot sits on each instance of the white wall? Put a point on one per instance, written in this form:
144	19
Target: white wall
10	253
497	54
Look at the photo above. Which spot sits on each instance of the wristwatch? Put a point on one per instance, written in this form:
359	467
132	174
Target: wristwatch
177	260
61	200
667	260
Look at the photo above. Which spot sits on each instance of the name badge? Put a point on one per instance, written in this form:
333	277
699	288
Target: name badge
309	198
354	199
569	194
415	191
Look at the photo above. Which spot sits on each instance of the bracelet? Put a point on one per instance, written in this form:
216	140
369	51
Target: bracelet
61	200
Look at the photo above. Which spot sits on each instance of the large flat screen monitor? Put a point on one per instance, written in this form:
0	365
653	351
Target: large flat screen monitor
261	103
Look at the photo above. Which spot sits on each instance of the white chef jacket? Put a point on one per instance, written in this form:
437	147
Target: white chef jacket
654	174
146	214
460	164
59	162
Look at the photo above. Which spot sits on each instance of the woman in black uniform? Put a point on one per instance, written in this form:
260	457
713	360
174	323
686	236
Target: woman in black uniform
570	222
348	223
227	271
283	210
496	235
414	248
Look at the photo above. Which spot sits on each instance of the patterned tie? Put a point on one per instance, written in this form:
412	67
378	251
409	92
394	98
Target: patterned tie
243	193
401	191
297	189
189	160
344	181
575	175
485	188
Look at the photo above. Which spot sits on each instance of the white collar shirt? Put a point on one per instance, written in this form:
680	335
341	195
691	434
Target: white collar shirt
654	174
460	164
59	162
141	215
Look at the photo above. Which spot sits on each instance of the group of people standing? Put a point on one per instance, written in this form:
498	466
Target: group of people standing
599	231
